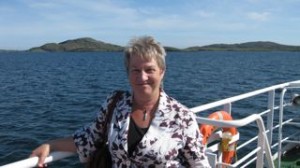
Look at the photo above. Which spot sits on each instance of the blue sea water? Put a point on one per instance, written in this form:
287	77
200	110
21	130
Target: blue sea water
44	96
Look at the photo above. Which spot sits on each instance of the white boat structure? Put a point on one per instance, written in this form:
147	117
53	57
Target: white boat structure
269	142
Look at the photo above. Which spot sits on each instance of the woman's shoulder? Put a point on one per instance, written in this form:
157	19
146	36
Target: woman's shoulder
175	105
118	93
172	100
178	113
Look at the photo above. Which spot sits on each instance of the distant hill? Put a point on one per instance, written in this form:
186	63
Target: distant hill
249	46
83	44
89	44
80	44
171	49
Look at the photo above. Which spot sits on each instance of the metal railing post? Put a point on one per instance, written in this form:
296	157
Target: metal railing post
270	115
265	146
227	108
280	126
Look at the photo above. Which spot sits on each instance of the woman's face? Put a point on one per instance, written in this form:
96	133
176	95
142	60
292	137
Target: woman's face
145	76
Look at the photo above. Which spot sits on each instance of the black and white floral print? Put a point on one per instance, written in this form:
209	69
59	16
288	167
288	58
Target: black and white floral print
172	140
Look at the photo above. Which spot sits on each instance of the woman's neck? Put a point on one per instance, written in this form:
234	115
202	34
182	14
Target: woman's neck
145	103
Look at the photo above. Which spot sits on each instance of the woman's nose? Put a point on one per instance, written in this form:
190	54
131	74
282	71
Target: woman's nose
143	76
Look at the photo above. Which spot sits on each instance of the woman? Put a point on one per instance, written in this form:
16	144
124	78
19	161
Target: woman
148	128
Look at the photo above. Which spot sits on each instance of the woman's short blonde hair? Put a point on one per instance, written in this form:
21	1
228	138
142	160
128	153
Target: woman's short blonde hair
147	48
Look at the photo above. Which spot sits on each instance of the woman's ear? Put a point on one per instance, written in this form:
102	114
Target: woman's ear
162	73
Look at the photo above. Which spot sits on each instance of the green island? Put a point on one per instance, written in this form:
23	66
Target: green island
91	45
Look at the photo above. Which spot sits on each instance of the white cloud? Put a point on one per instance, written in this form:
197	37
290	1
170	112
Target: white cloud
263	16
204	14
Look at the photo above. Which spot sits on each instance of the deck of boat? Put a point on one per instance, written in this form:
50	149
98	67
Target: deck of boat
291	159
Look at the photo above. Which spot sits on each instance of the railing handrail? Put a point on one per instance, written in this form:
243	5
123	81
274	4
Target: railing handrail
229	123
243	96
32	162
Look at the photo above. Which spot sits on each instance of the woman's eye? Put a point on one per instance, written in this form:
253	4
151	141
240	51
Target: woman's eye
150	70
135	70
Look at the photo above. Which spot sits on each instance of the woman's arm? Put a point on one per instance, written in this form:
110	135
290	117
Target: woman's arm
63	144
194	150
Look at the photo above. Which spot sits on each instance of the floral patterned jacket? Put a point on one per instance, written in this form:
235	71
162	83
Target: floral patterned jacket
172	140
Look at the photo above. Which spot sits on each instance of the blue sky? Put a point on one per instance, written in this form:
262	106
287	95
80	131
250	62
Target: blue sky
177	23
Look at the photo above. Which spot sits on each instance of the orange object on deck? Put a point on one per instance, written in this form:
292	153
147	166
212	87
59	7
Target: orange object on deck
228	150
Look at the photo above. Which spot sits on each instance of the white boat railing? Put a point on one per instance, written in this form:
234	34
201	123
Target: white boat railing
32	162
265	134
225	102
263	151
263	145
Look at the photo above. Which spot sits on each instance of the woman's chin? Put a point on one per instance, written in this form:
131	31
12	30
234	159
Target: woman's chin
143	91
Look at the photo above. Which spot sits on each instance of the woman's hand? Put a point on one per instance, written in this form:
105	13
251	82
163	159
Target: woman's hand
41	152
62	144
